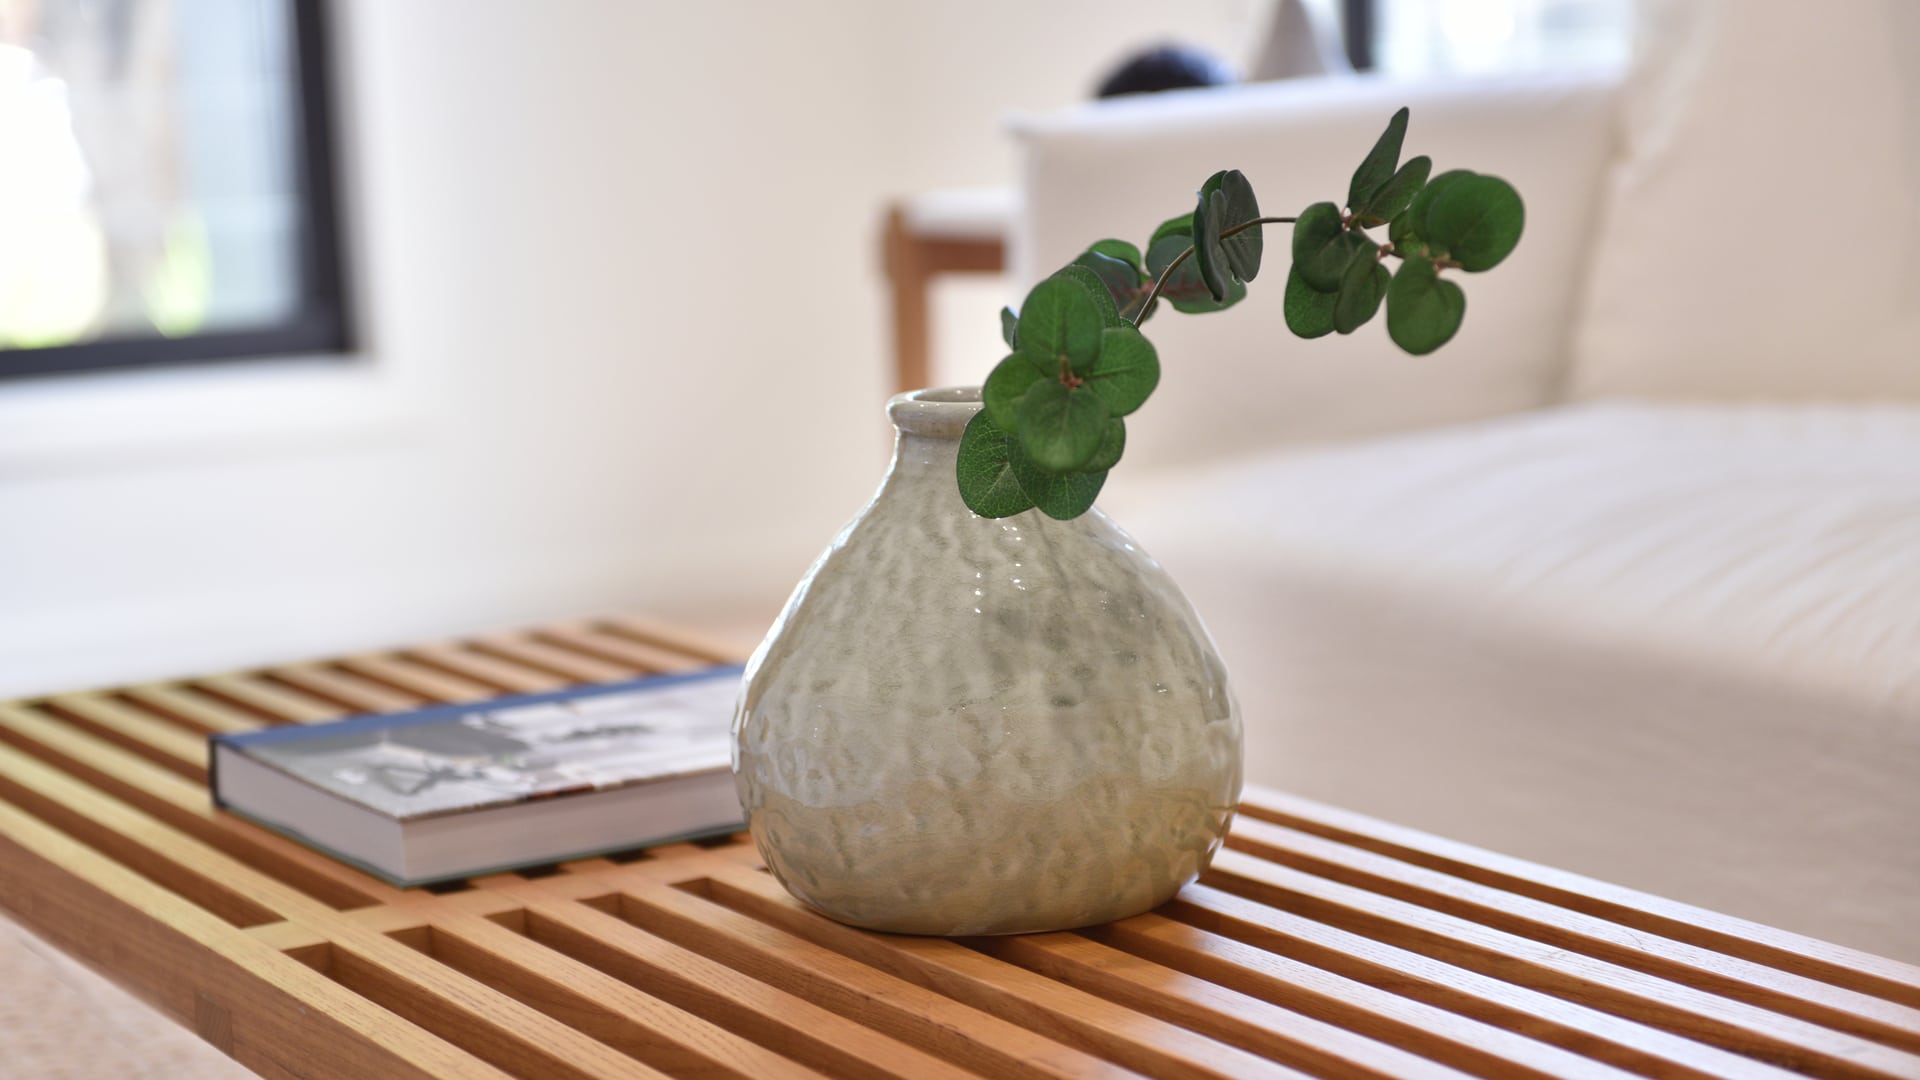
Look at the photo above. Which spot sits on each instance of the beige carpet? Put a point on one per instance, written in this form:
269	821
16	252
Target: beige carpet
61	1021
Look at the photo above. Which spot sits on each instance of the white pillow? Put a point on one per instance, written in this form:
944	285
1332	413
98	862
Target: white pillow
1761	238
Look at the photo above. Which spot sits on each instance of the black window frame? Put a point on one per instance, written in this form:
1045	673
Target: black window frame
1356	30
321	324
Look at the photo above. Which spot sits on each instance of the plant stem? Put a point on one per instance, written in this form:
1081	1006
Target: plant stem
1185	255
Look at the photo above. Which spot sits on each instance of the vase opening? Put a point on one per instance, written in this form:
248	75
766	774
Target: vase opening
939	413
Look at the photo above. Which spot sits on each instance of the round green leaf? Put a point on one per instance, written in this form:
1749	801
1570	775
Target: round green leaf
1423	202
1380	163
1326	268
1060	318
1184	290
985	470
1242	249
1096	291
1126	372
1009	328
1209	217
1112	445
1396	194
1309	311
1316	227
1423	309
1119	249
1120	279
1061	427
1477	220
1204	304
1063	496
1006	385
1360	294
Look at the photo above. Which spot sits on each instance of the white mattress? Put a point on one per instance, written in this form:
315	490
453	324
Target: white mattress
1676	647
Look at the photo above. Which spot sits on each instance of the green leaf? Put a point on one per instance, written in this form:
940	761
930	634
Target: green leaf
1061	427
1360	294
1381	161
1396	194
1477	220
1184	290
1318	236
1242	250
1119	249
1325	266
1112	444
1009	328
1423	309
1401	235
1006	385
1173	226
1126	372
1309	311
1060	318
1205	304
1096	290
985	470
1063	496
1120	279
1423	202
1209	217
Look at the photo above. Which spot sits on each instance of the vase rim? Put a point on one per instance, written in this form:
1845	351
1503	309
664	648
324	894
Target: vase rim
936	413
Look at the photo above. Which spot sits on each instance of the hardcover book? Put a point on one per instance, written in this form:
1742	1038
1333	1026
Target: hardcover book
456	790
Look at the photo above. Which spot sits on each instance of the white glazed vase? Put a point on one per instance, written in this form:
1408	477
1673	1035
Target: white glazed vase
962	725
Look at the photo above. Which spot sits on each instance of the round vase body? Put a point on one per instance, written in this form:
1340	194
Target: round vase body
962	725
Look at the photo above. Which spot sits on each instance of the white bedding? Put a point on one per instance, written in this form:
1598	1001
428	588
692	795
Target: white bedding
1676	647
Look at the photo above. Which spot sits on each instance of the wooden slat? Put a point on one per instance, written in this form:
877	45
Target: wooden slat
190	963
342	688
1733	1025
429	683
1742	980
793	1026
185	805
584	998
1211	959
509	677
278	704
648	658
141	732
1220	1012
676	638
1093	1024
1602	1036
574	666
1786	951
183	704
949	1029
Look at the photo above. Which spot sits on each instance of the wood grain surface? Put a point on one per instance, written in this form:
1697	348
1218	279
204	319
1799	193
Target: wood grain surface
1320	943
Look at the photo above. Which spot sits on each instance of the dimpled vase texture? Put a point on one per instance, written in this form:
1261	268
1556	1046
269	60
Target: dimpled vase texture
962	725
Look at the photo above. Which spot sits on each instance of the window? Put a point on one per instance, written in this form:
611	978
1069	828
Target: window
1415	37
168	191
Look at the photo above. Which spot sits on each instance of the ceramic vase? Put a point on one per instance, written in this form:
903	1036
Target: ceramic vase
962	725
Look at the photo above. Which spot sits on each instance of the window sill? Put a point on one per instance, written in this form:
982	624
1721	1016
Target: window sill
113	419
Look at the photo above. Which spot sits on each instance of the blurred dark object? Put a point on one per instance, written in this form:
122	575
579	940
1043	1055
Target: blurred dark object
1166	67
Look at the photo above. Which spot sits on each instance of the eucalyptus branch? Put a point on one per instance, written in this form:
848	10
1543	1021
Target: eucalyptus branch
1187	254
1054	412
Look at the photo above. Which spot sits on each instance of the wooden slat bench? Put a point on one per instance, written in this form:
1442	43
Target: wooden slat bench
1320	943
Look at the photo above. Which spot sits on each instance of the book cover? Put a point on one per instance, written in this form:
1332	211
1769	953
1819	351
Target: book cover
451	759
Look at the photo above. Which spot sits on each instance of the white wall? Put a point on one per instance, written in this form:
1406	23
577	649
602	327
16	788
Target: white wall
624	333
